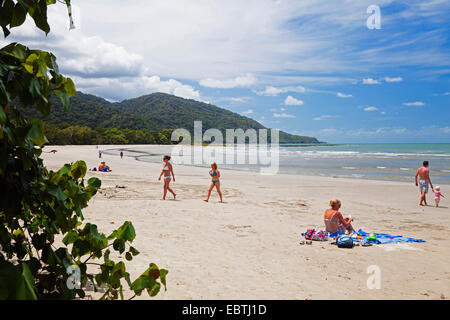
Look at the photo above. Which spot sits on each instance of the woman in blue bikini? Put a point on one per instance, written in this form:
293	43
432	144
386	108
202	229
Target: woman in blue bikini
167	172
215	182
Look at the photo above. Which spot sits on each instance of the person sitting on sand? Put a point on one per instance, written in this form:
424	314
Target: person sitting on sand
334	221
424	174
215	182
103	167
167	171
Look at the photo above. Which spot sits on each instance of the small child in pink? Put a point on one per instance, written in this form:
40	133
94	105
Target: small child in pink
437	195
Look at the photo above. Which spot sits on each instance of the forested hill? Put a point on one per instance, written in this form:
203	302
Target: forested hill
154	112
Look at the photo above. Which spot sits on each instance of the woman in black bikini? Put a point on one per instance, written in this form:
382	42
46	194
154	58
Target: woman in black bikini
215	182
167	171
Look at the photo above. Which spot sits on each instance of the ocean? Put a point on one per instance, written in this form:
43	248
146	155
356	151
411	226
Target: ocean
393	161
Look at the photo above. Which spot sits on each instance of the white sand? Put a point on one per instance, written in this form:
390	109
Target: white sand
248	247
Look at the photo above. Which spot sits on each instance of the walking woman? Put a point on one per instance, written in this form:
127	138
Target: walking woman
215	176
167	171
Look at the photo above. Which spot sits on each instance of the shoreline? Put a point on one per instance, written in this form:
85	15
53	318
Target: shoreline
248	247
317	172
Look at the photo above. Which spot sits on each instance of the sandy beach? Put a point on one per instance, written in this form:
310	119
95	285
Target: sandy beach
248	246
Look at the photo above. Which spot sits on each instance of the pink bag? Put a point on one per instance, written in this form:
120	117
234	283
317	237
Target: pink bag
320	236
309	234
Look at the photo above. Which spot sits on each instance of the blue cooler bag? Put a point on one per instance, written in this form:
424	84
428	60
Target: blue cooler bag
344	241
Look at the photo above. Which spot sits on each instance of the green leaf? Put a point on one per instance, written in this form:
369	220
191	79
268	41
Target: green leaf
32	58
2	115
70	87
62	94
128	256
133	251
49	256
162	275
17	50
118	268
78	170
119	245
34	88
153	287
70	237
25	284
36	133
95	182
8	278
39	240
57	192
141	283
126	232
18	16
39	16
35	265
54	65
66	169
4	100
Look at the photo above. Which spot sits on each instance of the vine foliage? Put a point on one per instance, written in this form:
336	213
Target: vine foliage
47	251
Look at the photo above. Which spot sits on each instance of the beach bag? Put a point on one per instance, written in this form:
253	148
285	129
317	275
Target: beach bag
344	241
309	234
320	236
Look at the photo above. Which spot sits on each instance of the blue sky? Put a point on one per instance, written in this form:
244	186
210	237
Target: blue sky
305	67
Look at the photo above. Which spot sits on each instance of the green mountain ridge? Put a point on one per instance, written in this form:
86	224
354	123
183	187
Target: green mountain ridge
154	112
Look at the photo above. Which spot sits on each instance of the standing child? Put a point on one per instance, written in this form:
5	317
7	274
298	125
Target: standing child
437	195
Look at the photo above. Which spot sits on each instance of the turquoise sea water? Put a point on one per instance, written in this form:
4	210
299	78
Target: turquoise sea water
369	161
397	162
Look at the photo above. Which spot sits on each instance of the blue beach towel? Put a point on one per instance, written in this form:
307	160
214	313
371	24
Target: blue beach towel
384	238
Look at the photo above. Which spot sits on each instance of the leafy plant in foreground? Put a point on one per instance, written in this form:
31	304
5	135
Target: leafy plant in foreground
38	204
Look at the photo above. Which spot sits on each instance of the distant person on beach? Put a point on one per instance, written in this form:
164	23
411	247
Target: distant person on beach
424	174
334	221
437	195
100	154
167	171
215	181
103	167
121	154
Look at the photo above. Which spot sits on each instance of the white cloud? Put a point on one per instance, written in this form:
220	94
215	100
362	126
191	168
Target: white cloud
446	93
396	79
329	132
233	99
343	95
244	81
370	81
249	111
283	115
273	91
270	91
414	104
326	116
220	40
291	101
371	109
97	66
131	87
